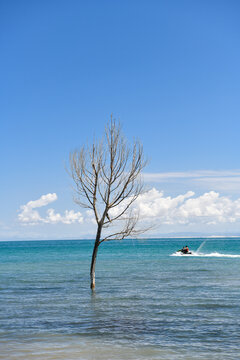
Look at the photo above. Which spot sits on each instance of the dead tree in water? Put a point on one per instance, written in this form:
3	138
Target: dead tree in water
107	180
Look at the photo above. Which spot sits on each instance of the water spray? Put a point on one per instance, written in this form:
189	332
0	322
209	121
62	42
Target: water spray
201	246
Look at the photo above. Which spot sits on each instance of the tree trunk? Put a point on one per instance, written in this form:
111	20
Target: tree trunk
94	257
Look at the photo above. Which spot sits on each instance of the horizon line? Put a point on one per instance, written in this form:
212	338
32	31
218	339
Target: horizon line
145	238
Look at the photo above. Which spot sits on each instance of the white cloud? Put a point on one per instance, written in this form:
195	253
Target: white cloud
153	204
69	217
158	177
227	181
32	217
42	201
209	208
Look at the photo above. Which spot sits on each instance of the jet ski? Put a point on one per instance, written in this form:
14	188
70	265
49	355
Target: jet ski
185	252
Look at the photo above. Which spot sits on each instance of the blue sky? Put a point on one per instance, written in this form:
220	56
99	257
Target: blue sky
169	70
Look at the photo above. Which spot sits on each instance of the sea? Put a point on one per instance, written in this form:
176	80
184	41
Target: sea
150	302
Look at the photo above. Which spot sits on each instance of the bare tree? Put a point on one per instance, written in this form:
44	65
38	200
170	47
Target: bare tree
107	181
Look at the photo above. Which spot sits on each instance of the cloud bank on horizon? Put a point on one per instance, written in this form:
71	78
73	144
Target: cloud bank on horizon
209	208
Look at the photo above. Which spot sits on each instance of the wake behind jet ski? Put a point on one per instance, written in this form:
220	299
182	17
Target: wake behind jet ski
185	251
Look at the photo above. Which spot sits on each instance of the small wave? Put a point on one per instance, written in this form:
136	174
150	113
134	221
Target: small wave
213	254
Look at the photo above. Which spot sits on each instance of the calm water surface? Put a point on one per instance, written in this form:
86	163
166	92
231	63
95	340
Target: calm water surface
149	303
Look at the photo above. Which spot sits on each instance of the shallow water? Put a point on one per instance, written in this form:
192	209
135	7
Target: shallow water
149	304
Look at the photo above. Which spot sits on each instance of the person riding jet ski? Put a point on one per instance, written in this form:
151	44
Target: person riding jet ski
185	250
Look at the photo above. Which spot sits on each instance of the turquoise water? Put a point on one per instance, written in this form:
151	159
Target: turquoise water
149	303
